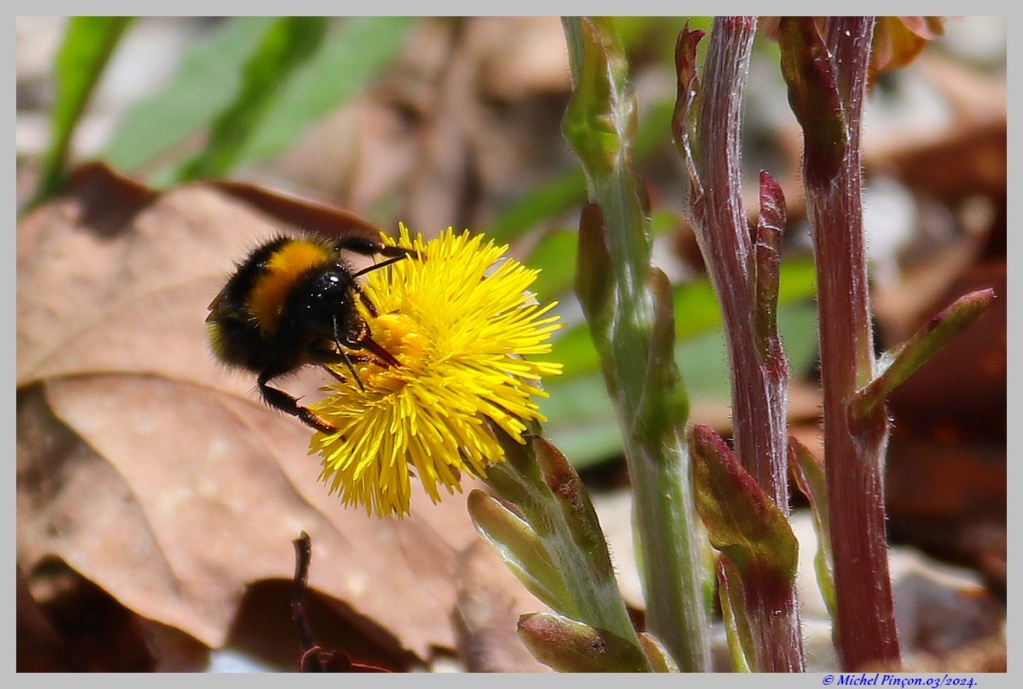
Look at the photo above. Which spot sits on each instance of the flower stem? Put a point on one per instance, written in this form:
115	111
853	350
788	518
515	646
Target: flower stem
628	307
744	270
854	445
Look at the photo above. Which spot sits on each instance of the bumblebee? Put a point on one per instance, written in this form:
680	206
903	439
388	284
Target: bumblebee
290	303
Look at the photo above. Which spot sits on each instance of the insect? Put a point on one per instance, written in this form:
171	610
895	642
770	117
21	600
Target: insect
290	303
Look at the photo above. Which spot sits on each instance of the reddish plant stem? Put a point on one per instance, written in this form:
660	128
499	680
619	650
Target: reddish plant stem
759	382
299	613
865	628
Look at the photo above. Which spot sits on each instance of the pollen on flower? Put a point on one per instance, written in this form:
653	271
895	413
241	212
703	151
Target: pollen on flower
462	323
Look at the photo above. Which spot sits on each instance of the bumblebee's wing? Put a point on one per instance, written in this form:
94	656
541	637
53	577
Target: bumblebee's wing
334	224
226	306
218	308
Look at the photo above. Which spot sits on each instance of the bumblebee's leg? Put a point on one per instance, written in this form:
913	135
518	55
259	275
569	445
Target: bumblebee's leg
335	375
370	345
366	301
329	356
326	356
278	399
362	340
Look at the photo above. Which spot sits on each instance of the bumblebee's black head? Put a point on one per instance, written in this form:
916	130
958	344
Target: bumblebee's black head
323	302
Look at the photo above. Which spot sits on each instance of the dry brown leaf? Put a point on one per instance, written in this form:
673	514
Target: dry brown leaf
490	601
955	156
898	40
157	474
79	628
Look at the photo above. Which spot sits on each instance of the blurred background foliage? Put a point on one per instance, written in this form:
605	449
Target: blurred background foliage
429	121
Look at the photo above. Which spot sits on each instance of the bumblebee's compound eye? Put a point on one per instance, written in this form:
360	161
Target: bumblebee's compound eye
327	304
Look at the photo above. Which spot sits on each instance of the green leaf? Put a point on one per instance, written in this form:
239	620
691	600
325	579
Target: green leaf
738	631
340	70
563	194
297	74
797	325
935	334
88	44
814	97
521	550
547	200
289	42
574	348
581	416
547	495
568	645
555	257
809	476
742	521
209	78
581	419
657	655
697	315
704	365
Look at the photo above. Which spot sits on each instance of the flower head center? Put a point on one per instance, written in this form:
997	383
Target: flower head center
397	333
463	327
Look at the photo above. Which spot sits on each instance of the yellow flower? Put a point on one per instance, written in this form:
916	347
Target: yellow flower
460	320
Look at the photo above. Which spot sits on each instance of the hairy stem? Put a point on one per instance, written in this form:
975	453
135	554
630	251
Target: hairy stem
854	445
628	307
744	271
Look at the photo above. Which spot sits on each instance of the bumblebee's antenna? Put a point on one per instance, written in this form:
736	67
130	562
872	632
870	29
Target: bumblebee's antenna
383	264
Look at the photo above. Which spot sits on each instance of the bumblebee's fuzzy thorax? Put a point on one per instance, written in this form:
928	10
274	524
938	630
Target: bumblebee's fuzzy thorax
292	302
286	268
